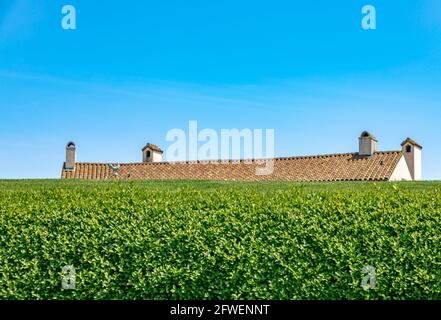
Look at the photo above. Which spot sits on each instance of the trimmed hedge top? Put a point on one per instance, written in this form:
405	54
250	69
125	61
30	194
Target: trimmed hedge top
196	240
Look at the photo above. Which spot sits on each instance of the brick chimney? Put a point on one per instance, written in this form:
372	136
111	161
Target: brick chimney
151	153
367	144
71	155
413	154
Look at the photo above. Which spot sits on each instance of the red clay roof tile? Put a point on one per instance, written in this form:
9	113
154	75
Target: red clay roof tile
335	167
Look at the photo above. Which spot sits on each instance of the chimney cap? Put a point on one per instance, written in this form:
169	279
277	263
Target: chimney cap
70	144
152	147
412	142
367	134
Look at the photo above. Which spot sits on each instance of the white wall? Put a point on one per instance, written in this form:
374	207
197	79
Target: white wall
414	161
418	166
401	172
157	157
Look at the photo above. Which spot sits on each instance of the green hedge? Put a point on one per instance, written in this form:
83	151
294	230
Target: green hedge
176	240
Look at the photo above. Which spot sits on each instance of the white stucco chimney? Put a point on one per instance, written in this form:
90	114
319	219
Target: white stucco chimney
413	154
151	153
367	144
71	155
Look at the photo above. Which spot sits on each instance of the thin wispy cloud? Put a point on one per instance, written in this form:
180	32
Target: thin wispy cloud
173	91
19	18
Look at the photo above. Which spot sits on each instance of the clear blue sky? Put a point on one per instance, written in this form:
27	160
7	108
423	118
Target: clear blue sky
135	69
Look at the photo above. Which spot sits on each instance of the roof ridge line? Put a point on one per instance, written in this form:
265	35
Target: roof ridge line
237	160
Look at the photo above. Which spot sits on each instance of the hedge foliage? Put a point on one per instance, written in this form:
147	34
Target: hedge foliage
196	240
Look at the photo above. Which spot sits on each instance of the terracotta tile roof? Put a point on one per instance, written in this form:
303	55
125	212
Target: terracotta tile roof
336	167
